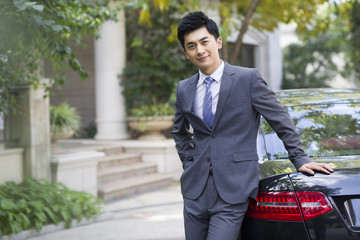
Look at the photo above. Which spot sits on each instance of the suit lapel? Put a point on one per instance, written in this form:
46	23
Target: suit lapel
190	93
188	100
225	88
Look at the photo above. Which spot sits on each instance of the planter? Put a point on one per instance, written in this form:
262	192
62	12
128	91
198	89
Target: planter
64	121
151	127
61	135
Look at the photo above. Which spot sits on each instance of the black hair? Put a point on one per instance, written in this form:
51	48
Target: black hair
194	21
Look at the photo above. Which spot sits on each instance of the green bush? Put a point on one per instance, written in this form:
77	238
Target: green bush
34	30
35	203
155	63
155	110
63	118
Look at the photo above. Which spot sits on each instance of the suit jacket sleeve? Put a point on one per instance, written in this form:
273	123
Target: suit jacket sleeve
182	136
265	102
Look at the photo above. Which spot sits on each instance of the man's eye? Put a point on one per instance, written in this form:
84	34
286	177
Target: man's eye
191	46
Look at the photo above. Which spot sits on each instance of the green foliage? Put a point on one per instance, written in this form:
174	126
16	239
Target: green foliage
35	203
325	129
154	110
354	64
335	30
333	125
312	62
33	30
63	118
309	65
88	131
267	15
155	64
237	15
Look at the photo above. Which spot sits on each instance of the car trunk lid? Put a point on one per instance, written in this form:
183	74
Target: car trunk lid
341	187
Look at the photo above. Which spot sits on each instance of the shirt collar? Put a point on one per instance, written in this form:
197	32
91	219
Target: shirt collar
216	75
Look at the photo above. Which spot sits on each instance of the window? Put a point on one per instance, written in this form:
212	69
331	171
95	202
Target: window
326	130
247	55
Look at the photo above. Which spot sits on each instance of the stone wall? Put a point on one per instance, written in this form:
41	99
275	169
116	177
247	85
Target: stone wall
30	130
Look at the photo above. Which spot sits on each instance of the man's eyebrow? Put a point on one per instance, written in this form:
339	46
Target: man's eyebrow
201	39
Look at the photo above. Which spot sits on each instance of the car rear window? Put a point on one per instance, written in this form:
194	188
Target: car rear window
326	130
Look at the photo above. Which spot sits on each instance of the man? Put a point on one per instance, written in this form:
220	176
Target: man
223	103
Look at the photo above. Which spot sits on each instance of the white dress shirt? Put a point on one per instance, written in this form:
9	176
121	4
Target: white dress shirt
201	89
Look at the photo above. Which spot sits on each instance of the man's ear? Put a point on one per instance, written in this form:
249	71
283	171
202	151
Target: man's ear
186	54
219	42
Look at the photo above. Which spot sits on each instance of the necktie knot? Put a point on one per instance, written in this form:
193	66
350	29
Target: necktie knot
209	80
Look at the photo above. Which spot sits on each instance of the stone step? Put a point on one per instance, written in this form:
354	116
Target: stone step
108	175
118	160
125	187
76	146
112	150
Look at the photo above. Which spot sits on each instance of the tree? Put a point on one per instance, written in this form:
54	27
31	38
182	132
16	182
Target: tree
312	62
354	64
154	64
240	15
266	15
308	66
35	30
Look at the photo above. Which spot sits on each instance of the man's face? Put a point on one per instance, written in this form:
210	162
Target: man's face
202	49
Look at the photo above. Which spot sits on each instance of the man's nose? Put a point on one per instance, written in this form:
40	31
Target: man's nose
200	49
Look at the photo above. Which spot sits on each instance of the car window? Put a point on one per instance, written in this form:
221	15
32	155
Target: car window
326	130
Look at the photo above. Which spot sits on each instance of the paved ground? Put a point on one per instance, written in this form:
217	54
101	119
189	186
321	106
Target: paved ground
155	215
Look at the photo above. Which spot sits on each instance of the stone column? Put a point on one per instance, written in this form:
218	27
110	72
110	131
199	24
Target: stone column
110	59
30	130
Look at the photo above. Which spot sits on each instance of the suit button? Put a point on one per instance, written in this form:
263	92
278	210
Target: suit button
213	135
208	158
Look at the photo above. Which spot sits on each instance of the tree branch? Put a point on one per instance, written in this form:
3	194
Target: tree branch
243	29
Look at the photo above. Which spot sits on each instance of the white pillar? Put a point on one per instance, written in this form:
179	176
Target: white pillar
110	59
274	59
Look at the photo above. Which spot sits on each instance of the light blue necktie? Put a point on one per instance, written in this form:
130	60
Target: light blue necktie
208	115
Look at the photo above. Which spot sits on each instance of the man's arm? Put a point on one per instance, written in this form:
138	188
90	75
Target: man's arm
266	103
182	136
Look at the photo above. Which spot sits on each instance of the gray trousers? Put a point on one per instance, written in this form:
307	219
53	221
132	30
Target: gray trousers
211	218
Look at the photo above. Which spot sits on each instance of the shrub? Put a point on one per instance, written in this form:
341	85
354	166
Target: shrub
35	203
155	63
154	110
63	118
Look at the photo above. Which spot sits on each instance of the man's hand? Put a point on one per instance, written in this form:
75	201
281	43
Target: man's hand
321	167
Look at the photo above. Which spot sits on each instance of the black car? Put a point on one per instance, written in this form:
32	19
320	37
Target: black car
292	205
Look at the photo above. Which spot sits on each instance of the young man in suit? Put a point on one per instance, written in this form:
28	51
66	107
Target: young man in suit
223	104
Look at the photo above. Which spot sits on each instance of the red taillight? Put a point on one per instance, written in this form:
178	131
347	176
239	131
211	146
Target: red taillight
284	206
275	206
313	204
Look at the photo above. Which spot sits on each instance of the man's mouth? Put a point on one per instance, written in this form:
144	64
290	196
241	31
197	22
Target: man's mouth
201	59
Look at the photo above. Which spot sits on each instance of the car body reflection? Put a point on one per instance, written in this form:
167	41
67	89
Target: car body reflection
327	206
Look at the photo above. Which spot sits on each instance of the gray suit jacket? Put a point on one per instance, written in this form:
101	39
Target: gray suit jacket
230	146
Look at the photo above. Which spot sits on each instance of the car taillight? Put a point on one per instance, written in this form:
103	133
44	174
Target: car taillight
275	206
313	204
284	206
